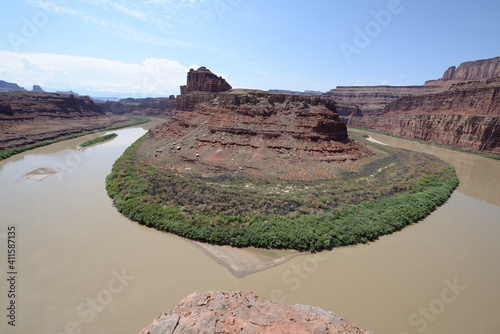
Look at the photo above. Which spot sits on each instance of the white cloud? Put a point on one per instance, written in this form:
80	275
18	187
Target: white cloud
53	6
130	12
86	75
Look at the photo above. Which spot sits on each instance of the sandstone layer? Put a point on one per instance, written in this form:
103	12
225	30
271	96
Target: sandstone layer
469	71
244	312
202	80
30	117
247	130
371	100
158	107
28	106
464	114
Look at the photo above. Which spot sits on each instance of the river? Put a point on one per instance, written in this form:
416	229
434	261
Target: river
81	267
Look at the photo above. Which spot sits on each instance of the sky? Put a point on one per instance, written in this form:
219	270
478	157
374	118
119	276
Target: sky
140	48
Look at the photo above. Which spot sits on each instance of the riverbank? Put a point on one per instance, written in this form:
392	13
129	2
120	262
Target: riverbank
242	262
432	143
74	234
396	189
23	137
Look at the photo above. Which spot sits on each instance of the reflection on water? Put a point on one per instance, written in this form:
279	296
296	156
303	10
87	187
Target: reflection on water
83	266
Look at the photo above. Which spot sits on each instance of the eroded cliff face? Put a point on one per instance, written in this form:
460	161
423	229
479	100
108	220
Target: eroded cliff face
30	117
479	133
202	80
466	116
468	98
22	106
371	100
159	107
470	71
244	312
251	131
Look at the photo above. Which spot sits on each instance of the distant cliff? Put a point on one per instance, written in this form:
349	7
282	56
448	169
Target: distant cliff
371	100
471	70
9	86
16	106
32	117
244	312
467	115
160	107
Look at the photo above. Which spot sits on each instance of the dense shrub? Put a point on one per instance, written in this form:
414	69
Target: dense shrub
396	190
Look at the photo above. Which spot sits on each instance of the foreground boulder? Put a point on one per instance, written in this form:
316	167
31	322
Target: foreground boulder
244	312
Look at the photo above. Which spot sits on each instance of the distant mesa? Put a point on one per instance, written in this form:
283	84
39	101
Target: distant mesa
8	86
37	88
69	92
202	80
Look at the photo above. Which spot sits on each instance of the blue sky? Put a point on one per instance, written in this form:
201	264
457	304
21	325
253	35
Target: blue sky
145	47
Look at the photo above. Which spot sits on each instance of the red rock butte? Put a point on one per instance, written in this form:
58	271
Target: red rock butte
202	80
218	129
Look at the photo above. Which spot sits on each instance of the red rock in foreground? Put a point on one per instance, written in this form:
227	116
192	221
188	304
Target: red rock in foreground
244	312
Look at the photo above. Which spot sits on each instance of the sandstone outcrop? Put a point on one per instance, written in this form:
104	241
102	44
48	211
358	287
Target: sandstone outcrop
30	117
474	70
202	80
160	107
247	130
467	98
244	312
466	116
479	133
371	100
29	106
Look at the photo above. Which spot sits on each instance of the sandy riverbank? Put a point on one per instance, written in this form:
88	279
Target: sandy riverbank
242	262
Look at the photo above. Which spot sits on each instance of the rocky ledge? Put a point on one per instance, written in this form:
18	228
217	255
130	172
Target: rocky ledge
244	312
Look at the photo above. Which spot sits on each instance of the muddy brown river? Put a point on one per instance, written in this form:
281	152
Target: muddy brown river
81	267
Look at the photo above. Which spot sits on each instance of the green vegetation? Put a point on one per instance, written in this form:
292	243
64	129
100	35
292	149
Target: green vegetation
12	151
98	140
397	189
433	143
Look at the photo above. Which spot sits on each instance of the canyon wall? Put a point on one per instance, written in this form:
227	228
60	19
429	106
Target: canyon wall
371	100
159	107
466	116
469	71
462	109
24	106
31	117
